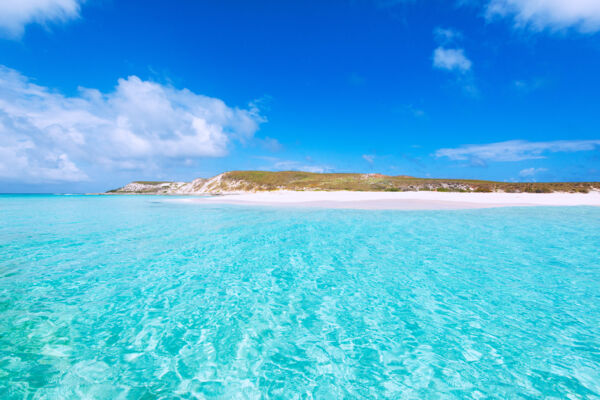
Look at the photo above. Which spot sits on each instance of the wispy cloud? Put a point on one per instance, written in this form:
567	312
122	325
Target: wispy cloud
582	15
47	136
412	110
370	158
528	86
299	166
270	144
446	36
515	150
278	164
531	172
16	14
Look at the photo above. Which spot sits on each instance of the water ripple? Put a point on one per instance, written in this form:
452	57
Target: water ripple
134	297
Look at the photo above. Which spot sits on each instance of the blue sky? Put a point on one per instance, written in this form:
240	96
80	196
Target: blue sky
96	93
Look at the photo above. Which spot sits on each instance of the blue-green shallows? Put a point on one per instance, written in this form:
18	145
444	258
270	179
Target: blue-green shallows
142	297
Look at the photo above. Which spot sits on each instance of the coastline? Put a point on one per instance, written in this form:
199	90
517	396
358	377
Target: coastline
421	200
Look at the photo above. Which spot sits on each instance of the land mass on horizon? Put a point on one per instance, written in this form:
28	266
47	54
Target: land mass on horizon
264	181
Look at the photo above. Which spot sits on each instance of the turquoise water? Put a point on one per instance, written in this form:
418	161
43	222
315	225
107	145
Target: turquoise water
143	298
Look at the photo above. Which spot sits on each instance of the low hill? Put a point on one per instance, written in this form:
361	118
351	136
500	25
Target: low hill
254	181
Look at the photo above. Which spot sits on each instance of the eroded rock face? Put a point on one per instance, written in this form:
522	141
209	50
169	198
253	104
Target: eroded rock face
151	188
219	184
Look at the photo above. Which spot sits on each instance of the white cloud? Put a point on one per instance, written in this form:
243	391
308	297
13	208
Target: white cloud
530	172
451	60
16	14
583	15
370	158
45	135
450	56
516	150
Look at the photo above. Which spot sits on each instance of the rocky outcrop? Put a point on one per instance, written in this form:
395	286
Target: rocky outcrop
215	185
146	187
220	184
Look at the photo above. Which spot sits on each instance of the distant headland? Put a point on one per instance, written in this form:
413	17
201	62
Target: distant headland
265	181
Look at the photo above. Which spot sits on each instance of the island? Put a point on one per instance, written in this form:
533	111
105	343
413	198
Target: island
366	191
268	181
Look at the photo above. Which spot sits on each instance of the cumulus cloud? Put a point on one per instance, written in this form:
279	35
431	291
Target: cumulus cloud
583	15
45	135
516	150
450	56
451	60
16	14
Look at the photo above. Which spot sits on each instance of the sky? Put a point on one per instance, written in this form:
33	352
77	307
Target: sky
97	93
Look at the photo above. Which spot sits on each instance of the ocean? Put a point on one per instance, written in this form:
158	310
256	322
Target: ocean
144	297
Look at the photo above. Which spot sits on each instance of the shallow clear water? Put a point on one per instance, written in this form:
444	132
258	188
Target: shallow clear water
142	297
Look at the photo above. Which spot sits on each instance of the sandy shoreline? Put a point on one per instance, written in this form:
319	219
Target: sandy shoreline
403	200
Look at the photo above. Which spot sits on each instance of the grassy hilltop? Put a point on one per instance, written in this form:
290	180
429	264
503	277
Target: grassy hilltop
293	180
252	181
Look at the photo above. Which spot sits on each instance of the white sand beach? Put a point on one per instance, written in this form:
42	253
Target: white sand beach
423	200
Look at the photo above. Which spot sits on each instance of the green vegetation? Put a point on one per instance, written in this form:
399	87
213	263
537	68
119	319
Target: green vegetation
295	180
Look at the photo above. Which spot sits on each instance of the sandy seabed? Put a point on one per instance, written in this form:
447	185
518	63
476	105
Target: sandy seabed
402	200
